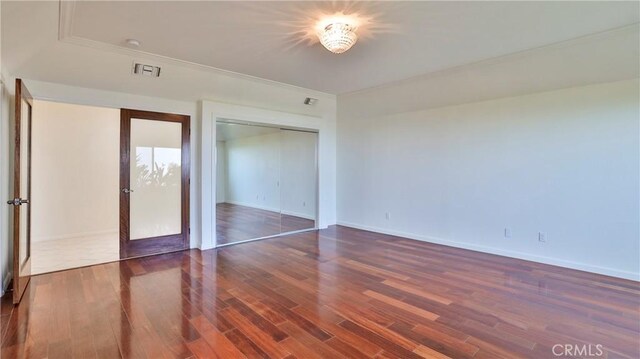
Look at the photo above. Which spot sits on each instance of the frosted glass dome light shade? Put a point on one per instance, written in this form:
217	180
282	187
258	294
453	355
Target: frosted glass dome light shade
338	37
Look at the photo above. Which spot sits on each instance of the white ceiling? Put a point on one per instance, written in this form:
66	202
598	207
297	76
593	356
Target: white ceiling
402	40
197	44
605	57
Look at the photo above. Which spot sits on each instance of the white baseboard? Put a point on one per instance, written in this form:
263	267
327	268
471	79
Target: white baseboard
205	247
5	282
76	235
501	252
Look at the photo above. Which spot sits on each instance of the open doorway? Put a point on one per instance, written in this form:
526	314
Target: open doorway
75	175
266	181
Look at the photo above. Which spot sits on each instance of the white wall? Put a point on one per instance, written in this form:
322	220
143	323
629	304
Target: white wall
6	184
298	178
75	171
253	171
221	172
564	162
275	172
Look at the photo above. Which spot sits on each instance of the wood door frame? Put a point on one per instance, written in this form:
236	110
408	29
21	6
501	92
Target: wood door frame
20	283
154	245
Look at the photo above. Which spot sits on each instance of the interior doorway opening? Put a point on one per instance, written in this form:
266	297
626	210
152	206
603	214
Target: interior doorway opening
74	181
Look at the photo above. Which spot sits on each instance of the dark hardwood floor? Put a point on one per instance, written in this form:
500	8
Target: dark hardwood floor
238	223
335	293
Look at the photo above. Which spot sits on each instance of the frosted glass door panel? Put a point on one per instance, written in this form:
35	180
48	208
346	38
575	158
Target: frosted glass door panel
156	167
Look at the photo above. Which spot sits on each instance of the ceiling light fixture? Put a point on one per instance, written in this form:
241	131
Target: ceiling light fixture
338	36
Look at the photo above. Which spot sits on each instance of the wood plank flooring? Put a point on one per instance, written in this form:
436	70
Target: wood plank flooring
235	223
335	293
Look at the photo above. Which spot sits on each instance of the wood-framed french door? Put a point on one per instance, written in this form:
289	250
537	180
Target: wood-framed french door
154	182
22	192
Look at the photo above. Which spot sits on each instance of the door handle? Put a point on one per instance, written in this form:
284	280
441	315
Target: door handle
17	201
126	190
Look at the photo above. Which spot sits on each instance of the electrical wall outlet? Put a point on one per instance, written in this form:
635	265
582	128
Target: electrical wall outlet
507	232
542	237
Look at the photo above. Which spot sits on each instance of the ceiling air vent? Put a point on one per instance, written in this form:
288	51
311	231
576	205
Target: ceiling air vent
146	70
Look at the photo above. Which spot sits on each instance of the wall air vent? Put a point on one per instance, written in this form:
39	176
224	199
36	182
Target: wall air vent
146	70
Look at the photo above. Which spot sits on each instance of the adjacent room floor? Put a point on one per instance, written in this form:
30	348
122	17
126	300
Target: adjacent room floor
237	223
332	293
55	255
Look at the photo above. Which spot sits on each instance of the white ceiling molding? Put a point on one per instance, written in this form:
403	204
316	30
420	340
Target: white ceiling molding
65	34
67	9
